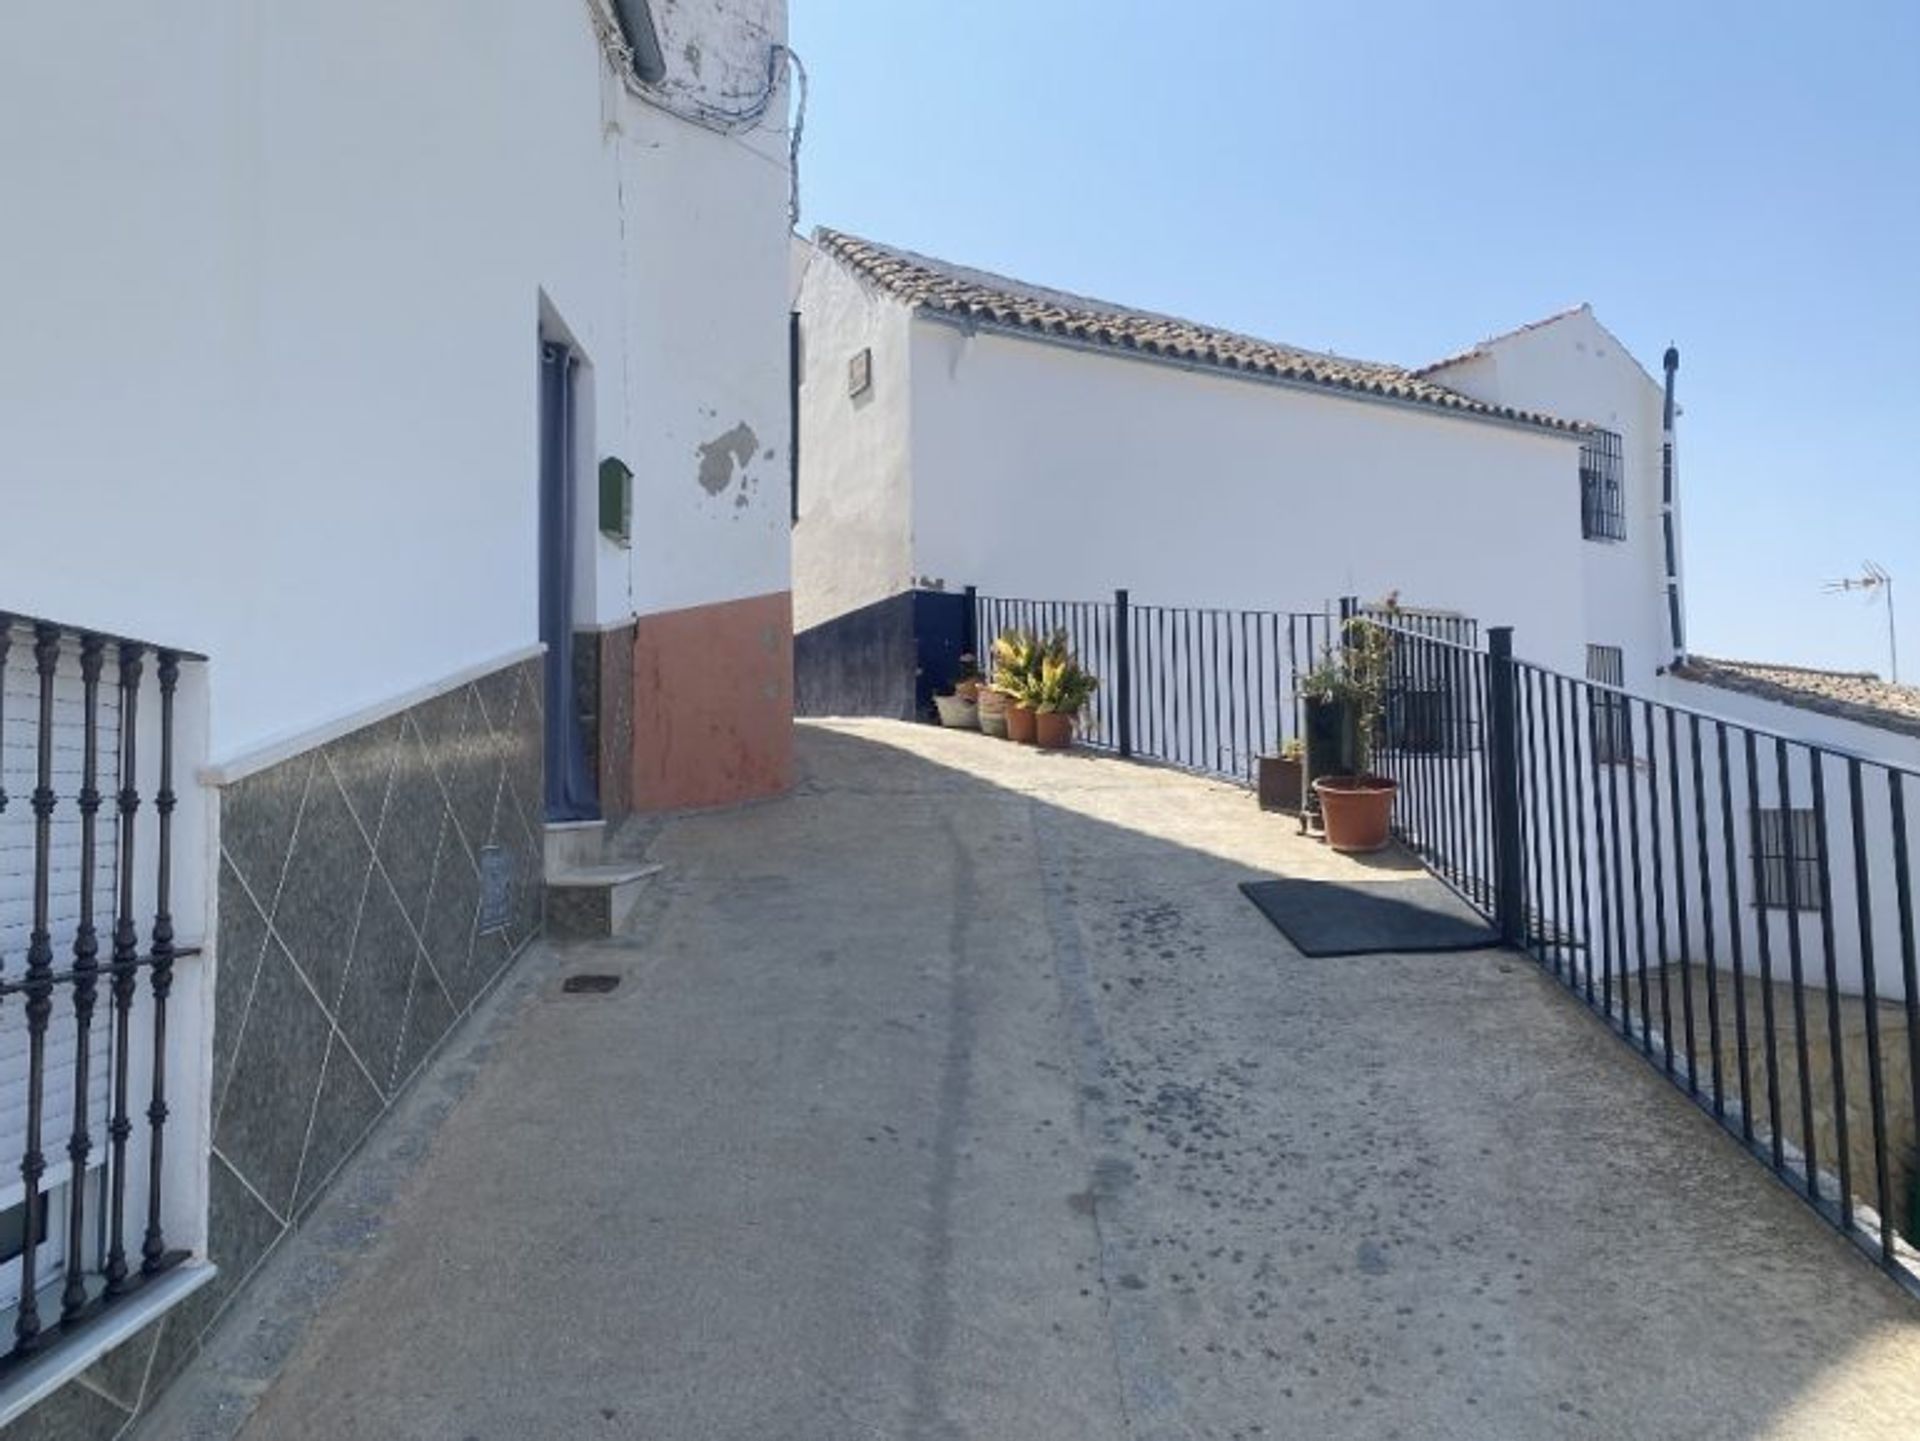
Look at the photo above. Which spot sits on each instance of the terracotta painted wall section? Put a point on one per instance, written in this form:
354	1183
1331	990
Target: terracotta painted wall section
713	704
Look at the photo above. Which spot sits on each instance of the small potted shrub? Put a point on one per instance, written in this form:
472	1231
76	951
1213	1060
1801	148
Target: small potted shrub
1277	777
1357	806
1060	693
1016	667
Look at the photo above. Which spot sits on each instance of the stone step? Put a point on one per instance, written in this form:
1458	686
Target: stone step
570	845
592	902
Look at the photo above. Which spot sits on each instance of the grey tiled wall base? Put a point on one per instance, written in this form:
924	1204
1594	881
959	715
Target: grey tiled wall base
350	941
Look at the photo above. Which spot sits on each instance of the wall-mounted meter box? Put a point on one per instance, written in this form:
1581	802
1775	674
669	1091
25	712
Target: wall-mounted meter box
616	501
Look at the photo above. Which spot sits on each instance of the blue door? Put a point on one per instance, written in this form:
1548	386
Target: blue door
570	786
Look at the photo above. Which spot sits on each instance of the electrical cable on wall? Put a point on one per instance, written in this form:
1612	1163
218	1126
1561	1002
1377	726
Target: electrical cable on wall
721	119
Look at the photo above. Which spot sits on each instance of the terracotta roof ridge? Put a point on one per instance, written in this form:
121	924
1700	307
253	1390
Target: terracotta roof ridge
1782	666
979	297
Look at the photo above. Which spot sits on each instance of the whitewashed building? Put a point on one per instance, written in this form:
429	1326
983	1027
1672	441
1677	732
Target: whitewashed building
397	409
960	428
1716	856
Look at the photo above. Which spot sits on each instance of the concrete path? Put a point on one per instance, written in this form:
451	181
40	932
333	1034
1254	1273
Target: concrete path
961	1095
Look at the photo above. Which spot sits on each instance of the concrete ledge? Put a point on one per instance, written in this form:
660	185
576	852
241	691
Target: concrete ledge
71	1355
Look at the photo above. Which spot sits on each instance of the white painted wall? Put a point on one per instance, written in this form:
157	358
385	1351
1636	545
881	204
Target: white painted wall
282	287
1045	471
1573	367
852	544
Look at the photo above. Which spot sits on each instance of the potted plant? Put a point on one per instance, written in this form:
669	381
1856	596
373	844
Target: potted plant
1016	666
966	681
957	712
1060	693
990	709
1356	805
1278	777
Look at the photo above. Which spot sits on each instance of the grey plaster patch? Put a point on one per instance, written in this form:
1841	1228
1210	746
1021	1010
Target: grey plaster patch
724	455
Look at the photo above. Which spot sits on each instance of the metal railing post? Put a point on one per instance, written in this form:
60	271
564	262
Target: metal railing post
1123	673
970	627
1503	764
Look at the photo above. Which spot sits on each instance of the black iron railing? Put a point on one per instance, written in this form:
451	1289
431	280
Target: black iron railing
82	1033
1655	859
1207	690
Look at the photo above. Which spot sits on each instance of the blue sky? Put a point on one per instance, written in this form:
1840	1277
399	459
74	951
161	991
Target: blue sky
1397	180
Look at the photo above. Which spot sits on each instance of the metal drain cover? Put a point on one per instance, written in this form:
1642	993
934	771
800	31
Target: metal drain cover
589	984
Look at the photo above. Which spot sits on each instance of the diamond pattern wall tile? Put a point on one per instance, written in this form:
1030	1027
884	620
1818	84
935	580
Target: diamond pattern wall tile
262	1126
429	1017
390	949
240	1231
348	1105
373	1003
242	937
325	879
362	763
451	915
440	723
473	785
73	1413
409	847
498	693
257	817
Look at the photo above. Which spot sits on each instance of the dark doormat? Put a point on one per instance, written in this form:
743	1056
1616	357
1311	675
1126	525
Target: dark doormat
1366	918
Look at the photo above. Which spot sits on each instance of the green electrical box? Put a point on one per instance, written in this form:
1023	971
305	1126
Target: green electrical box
616	501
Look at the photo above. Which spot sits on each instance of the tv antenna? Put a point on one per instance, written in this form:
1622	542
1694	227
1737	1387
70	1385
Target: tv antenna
1877	585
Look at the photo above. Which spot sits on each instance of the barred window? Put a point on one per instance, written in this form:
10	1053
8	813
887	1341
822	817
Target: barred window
1603	505
1608	709
1787	857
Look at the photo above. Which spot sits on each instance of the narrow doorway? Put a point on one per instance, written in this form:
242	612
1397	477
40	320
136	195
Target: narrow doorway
570	792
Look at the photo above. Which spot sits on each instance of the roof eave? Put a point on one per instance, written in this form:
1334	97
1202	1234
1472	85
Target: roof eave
969	324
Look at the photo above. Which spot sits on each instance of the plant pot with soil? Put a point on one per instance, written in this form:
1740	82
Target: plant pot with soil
1356	806
1279	778
1060	694
1016	671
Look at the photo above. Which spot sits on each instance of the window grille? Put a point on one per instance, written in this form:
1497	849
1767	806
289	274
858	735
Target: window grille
1603	507
1607	667
1788	851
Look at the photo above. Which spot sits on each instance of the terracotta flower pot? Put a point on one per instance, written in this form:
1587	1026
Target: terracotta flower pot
1357	811
1020	724
967	689
1053	730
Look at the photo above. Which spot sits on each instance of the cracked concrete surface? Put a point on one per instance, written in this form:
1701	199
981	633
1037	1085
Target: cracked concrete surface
961	1095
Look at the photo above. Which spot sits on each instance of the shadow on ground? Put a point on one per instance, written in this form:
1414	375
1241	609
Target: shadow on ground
961	1094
